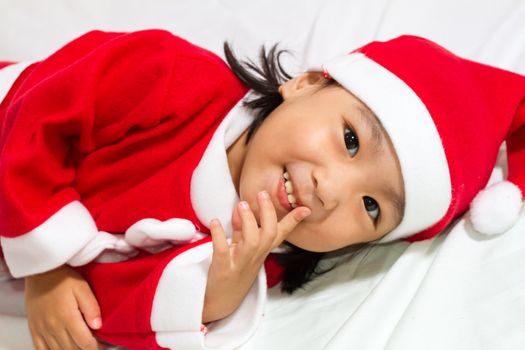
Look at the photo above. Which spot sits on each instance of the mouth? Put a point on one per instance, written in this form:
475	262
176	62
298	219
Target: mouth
285	192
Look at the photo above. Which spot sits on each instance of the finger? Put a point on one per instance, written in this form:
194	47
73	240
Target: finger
81	335
88	305
219	241
39	343
267	217
290	222
89	317
236	219
52	343
250	229
65	341
236	225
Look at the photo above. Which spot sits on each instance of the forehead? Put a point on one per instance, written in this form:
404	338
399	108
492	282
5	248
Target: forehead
347	102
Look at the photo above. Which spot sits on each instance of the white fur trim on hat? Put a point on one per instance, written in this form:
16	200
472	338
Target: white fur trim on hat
424	166
495	209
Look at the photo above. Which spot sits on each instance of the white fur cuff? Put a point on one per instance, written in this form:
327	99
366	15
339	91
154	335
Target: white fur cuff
176	315
52	243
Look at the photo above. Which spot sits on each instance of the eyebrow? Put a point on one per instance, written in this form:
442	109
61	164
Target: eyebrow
375	128
377	140
397	202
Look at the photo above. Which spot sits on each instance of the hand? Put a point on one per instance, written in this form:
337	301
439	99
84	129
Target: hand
60	305
234	267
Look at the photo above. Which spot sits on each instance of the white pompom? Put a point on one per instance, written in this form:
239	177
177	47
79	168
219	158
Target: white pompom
495	209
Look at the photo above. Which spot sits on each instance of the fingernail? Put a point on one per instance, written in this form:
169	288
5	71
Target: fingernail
97	323
244	205
264	195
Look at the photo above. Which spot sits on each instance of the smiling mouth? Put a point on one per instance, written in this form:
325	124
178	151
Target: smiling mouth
288	187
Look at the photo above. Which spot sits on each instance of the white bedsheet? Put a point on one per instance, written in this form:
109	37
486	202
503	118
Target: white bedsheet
457	291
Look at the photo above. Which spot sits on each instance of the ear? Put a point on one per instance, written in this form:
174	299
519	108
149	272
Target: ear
301	84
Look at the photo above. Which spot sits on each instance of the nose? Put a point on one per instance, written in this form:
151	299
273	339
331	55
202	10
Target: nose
334	184
325	181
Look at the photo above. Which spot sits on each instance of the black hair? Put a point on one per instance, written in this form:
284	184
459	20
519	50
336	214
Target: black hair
300	266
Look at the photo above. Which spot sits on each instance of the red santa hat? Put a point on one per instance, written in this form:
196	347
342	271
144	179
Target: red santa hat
447	118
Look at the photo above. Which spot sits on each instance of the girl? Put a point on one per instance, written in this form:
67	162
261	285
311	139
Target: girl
137	142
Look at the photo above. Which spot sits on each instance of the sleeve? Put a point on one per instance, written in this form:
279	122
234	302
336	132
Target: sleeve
156	301
90	95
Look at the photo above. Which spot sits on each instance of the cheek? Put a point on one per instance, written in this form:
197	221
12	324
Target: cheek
318	238
289	129
248	188
335	232
263	174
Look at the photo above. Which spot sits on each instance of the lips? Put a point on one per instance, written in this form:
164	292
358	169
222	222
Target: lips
287	192
282	196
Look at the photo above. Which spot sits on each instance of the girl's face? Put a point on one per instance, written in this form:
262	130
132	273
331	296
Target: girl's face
339	160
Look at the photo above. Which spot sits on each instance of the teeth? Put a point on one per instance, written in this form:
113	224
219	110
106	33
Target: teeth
288	186
289	190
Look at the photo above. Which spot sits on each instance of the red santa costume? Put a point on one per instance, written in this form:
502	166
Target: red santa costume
117	142
113	145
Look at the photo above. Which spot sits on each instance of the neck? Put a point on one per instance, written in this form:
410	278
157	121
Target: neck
236	153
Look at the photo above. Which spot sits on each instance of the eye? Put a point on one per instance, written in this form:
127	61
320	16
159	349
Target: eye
371	207
351	141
